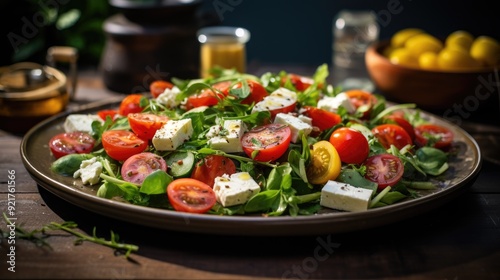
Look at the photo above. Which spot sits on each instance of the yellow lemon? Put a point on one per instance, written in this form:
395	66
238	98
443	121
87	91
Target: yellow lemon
399	38
486	50
456	59
422	43
428	61
387	51
459	38
402	56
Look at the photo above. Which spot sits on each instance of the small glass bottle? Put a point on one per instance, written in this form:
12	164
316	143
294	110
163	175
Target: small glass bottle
222	46
353	32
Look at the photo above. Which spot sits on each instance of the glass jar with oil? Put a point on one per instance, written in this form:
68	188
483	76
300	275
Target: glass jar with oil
222	46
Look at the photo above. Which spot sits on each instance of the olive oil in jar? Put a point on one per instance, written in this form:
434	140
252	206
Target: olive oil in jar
222	46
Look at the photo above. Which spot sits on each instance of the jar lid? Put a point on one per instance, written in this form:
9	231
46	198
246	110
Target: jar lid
223	34
30	81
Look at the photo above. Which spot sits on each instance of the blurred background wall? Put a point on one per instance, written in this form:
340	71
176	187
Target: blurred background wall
283	31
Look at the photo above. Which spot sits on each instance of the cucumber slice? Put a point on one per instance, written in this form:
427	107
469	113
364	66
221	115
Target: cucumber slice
180	164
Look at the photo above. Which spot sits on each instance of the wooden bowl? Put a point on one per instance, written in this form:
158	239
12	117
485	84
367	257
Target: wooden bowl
430	90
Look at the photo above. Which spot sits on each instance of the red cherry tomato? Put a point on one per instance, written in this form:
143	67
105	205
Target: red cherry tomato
362	98
208	97
103	114
269	141
77	142
350	144
322	119
212	166
190	195
145	125
434	135
130	104
392	134
300	83
137	167
257	92
401	121
122	144
384	169
158	87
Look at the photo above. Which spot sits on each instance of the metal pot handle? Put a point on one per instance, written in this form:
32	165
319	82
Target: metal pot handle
66	55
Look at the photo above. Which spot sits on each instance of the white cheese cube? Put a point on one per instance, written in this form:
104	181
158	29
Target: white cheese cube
278	99
89	171
297	126
172	134
305	119
227	139
235	189
168	97
345	197
80	122
332	104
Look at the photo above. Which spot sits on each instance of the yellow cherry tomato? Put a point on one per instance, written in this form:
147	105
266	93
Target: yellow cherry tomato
422	43
325	163
402	56
460	38
399	38
428	61
456	59
486	50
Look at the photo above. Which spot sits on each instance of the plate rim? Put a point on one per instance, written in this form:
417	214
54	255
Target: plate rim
242	225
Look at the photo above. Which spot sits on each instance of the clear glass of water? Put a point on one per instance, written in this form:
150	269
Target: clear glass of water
353	32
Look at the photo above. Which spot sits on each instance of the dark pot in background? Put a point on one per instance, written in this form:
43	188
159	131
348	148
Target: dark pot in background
150	41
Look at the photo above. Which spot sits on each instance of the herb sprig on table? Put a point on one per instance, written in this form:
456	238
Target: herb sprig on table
39	236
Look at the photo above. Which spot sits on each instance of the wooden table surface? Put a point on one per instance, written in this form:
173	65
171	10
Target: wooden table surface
459	240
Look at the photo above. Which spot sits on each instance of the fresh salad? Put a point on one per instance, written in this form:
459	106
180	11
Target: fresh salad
239	144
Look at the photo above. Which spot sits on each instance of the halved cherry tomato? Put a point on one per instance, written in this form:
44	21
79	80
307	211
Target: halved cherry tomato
269	141
351	145
103	114
145	125
300	82
190	195
325	163
433	135
130	104
158	87
137	167
322	119
212	166
122	144
208	97
361	98
401	121
77	142
392	134
384	169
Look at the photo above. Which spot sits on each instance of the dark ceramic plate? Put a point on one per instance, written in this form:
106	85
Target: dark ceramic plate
464	168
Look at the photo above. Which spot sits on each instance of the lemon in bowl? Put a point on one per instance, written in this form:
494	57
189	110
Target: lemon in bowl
438	73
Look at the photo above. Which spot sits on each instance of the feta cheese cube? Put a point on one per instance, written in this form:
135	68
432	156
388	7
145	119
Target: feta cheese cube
345	197
297	126
169	96
227	138
235	189
80	122
278	99
332	104
305	119
89	171
172	134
